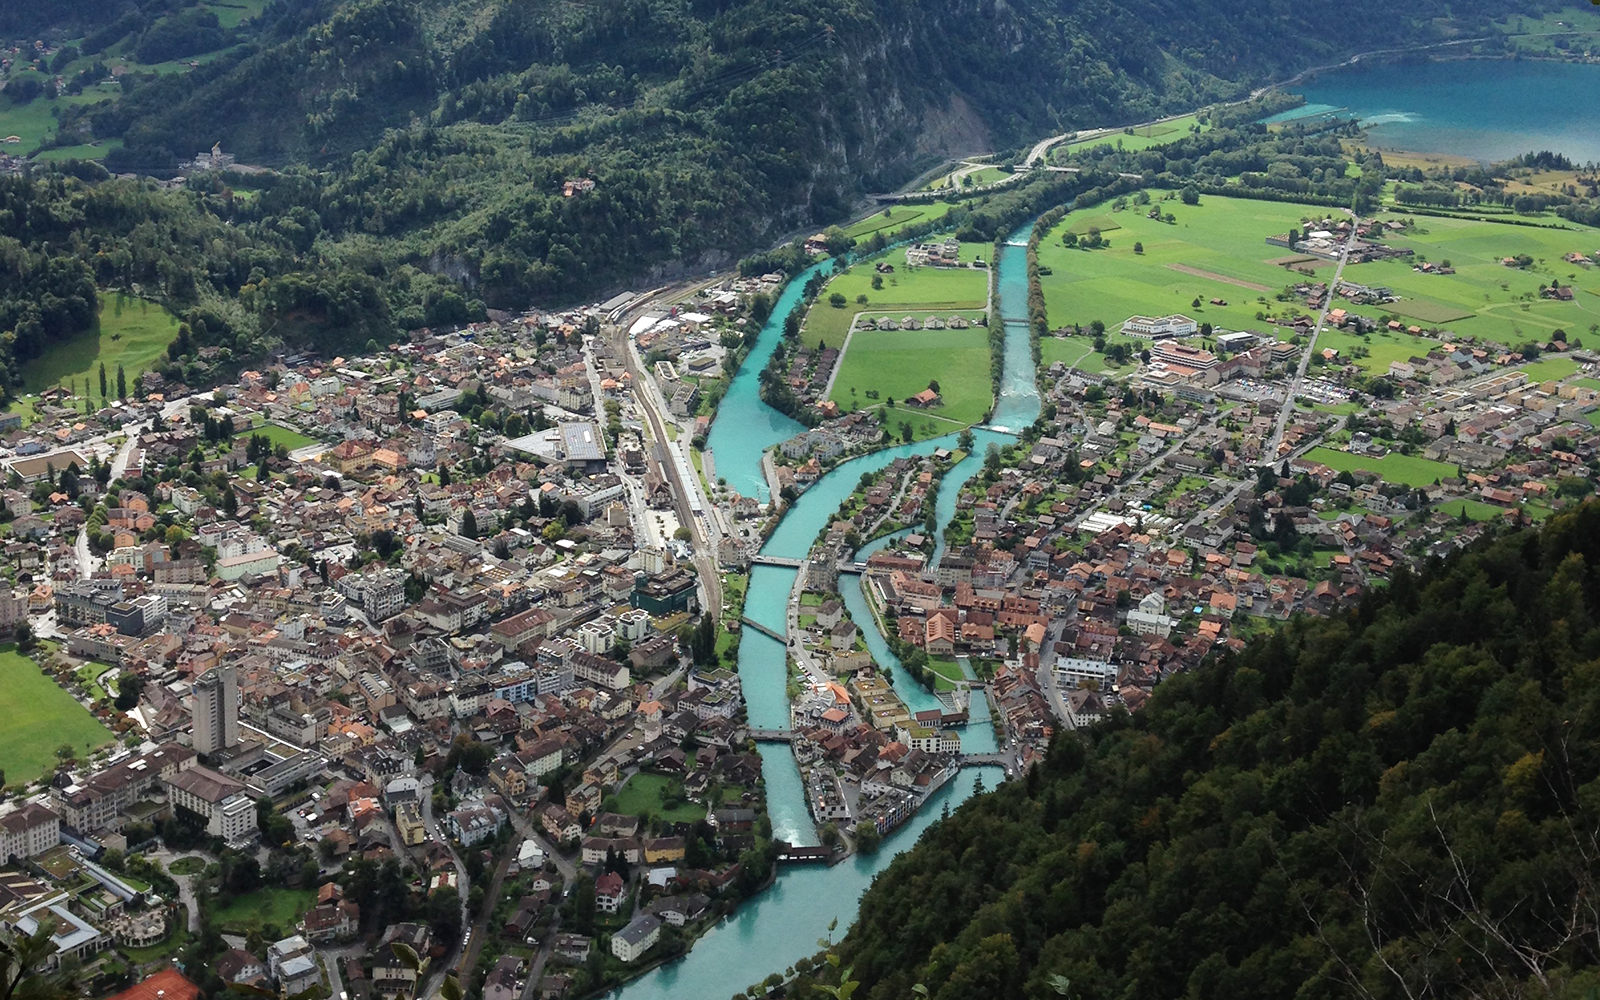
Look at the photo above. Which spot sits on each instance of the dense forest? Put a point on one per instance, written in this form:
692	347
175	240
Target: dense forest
1398	801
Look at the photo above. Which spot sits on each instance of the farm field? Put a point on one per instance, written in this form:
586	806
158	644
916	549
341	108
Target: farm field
900	363
942	289
1499	302
131	331
39	718
1222	237
282	908
1404	470
1550	369
1219	245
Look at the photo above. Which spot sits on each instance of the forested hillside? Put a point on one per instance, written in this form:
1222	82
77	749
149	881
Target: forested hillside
1401	801
446	129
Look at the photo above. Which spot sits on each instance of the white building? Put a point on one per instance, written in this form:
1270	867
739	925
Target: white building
1074	672
630	943
293	964
215	710
28	831
1156	328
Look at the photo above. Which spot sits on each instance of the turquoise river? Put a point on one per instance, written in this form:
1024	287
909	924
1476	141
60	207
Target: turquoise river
785	922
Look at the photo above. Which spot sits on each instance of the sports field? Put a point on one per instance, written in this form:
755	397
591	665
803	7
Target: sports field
896	364
1220	246
39	717
131	331
1404	470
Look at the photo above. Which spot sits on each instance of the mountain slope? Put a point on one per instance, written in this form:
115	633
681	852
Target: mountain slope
446	128
1398	802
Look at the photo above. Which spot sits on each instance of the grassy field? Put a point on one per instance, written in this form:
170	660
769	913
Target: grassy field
39	717
900	363
282	908
132	332
1476	510
278	434
1224	238
1382	348
945	289
1074	351
1146	136
642	794
897	216
1550	369
1405	470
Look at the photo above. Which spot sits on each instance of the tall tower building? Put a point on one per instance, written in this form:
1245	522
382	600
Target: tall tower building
216	710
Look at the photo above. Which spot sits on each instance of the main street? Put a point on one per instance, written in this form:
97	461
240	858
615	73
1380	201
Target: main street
1270	452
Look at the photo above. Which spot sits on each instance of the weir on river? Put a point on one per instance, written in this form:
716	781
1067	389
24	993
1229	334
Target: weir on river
784	923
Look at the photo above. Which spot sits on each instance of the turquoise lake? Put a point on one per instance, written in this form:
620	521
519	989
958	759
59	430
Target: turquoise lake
1485	109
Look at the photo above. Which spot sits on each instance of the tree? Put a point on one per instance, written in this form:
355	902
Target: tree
469	525
103	386
23	961
1138	247
583	906
964	440
838	300
868	838
1191	195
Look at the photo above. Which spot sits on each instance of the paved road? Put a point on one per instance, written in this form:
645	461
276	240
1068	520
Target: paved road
1270	453
568	870
464	884
480	928
185	882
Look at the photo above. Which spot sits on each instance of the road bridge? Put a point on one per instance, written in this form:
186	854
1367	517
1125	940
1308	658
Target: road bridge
772	735
782	562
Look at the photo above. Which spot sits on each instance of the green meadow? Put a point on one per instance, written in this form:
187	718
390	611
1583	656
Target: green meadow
944	289
39	718
1403	470
1217	250
896	364
132	332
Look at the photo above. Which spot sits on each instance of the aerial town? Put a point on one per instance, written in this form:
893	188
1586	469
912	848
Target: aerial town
376	638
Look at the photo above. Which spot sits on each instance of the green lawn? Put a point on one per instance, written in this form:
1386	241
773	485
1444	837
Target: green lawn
897	364
86	151
1550	369
1145	137
1224	239
1382	348
1405	470
642	794
946	290
1476	510
90	674
896	217
33	122
187	866
278	434
39	717
282	908
132	332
